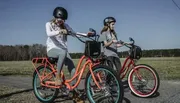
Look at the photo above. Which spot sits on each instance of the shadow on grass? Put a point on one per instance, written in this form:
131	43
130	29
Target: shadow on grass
17	92
15	74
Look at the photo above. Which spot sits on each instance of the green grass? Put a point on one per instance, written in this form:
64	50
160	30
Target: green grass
16	68
167	68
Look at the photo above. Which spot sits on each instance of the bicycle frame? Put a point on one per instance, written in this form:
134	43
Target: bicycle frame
51	84
126	66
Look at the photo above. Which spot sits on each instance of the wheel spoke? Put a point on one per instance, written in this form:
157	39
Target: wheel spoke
43	93
110	90
143	81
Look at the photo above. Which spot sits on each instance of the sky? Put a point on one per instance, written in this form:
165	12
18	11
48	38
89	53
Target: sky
153	24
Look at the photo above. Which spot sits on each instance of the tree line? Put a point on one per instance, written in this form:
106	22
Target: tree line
27	52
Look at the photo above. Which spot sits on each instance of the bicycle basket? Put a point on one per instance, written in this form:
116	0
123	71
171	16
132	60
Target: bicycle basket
136	52
92	49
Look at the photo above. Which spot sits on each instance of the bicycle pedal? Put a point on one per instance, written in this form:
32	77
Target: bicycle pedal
65	90
83	96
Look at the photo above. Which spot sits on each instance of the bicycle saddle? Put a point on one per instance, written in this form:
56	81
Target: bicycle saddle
52	60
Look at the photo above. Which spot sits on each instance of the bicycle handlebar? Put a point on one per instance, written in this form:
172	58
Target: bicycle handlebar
91	30
129	45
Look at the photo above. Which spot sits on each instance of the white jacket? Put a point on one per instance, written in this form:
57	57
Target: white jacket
55	39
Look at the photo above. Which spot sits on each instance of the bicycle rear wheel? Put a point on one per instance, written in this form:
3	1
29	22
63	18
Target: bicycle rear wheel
111	87
42	93
143	80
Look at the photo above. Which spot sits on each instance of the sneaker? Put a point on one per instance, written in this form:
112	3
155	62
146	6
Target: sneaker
76	97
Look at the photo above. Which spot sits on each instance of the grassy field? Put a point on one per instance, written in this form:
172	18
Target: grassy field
167	68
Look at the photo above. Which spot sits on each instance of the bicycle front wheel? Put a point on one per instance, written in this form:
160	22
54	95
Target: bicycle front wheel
143	80
111	87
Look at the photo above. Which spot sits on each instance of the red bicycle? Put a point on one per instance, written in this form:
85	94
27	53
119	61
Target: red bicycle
143	79
97	88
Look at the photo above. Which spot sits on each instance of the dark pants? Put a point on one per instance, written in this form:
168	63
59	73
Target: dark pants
114	61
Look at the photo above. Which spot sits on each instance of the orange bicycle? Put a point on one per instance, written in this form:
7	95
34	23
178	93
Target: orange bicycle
97	88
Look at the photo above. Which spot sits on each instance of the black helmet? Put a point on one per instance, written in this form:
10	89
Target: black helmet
60	12
108	20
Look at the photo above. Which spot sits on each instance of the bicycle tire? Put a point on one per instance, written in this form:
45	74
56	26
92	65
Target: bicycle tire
116	77
35	76
155	75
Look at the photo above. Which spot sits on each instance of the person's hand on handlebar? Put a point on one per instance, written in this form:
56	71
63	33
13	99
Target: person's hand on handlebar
114	41
124	43
119	45
63	31
121	42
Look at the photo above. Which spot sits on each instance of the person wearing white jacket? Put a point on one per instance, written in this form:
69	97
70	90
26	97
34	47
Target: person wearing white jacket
56	30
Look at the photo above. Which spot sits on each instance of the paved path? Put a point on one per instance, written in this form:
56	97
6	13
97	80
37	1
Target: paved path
169	91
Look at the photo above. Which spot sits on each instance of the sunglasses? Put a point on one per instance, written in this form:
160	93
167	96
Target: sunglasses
113	24
60	21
